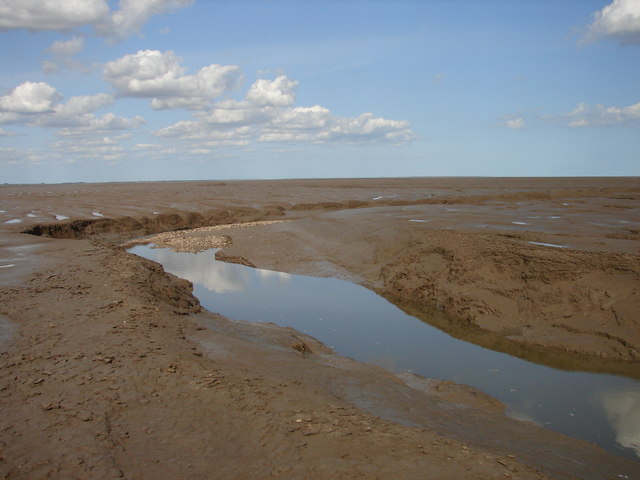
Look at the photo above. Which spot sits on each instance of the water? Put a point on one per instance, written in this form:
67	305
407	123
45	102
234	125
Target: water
7	332
356	322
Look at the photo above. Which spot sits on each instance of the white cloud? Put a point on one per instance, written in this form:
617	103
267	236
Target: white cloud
51	14
8	118
515	123
366	127
15	156
230	113
67	48
315	117
623	412
4	133
307	124
585	116
65	15
29	97
159	76
279	92
143	147
262	103
77	111
200	151
36	104
200	133
108	122
620	20
133	14
267	108
62	53
100	148
83	104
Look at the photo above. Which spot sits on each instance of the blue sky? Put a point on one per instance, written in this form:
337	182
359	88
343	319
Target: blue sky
97	90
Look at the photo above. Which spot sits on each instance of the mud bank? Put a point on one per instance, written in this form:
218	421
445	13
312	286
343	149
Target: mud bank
115	372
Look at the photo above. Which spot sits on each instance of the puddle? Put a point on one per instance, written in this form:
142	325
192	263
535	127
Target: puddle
357	323
61	217
15	220
7	332
380	197
548	244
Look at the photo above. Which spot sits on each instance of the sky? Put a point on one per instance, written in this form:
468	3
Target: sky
140	90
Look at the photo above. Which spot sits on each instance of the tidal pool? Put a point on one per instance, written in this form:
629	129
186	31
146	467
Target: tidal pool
358	323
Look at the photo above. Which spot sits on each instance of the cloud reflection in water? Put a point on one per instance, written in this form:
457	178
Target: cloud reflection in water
201	268
622	409
219	277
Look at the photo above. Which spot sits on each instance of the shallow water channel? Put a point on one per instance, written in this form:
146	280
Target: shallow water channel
358	323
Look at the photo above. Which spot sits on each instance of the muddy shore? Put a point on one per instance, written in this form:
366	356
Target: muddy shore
110	369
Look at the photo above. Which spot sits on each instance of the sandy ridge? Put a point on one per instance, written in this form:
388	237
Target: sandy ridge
197	239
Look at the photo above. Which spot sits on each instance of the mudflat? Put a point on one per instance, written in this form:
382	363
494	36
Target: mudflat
111	369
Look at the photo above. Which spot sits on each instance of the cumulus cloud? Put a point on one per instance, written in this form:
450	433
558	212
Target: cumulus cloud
38	104
67	48
585	116
101	148
516	123
279	92
79	112
315	117
62	53
366	127
269	112
83	104
241	122
108	122
261	104
51	14
64	15
619	20
159	76
133	14
16	156
30	97
198	132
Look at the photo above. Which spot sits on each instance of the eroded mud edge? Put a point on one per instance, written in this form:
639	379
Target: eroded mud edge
119	230
373	396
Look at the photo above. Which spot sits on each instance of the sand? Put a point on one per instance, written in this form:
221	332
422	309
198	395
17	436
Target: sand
110	368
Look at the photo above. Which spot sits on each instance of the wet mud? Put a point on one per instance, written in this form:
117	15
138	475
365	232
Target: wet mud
115	371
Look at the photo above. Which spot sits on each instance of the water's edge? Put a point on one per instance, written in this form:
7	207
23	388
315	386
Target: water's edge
356	322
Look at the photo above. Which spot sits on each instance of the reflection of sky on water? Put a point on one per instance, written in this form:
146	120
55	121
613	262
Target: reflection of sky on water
282	277
623	411
199	268
355	322
202	269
